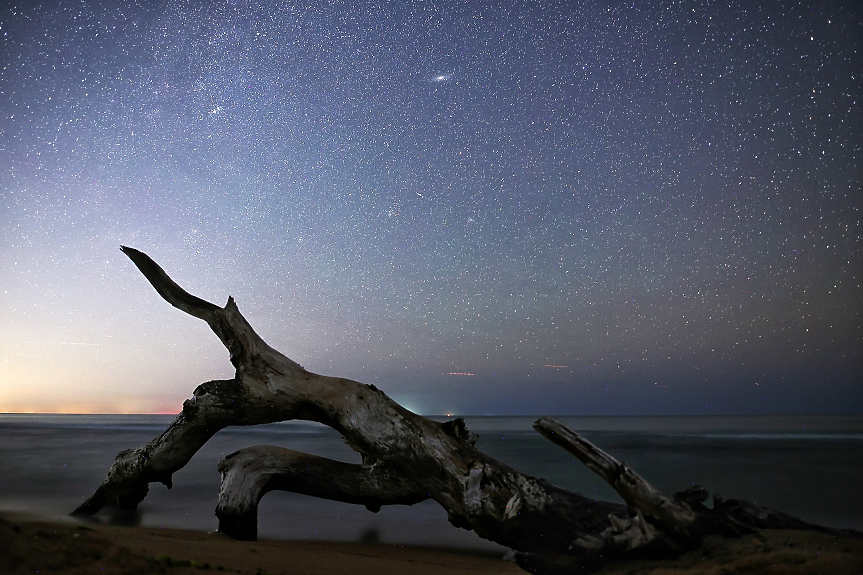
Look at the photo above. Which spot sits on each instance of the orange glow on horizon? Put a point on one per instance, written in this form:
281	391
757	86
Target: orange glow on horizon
83	412
128	408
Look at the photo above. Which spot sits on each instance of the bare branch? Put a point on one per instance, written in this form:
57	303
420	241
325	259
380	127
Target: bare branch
674	516
167	288
250	473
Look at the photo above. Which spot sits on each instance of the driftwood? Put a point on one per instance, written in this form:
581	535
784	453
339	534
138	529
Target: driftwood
406	458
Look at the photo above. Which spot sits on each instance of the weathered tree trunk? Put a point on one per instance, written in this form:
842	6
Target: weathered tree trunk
406	458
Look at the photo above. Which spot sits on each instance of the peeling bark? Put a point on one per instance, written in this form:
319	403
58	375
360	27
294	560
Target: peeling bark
406	458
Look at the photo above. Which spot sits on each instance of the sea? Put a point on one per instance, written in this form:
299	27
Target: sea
810	466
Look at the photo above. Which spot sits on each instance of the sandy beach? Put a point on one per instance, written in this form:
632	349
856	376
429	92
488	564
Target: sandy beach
32	545
29	545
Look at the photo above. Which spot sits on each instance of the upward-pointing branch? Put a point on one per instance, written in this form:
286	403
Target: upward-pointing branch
167	288
227	323
641	496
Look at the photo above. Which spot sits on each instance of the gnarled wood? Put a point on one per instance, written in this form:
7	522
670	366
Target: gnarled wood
406	458
673	517
248	474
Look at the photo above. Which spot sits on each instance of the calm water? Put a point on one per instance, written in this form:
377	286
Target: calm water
808	466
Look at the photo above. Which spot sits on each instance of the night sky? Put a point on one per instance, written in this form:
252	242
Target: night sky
480	207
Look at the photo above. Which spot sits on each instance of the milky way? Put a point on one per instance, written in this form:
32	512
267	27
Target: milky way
479	207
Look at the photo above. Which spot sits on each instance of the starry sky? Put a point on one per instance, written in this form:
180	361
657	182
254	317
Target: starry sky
480	207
